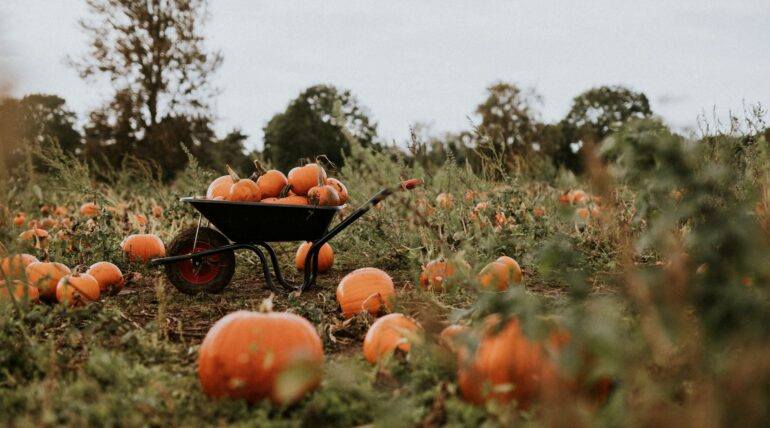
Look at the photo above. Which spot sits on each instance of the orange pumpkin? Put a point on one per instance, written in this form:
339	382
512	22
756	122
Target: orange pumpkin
323	195
45	276
514	267
14	266
20	290
271	183
435	274
143	247
539	212
325	257
219	188
19	219
89	209
365	289
157	211
495	275
342	191
386	335
292	200
303	178
448	337
445	200
254	356
60	211
242	189
109	277
37	237
141	219
507	366
76	289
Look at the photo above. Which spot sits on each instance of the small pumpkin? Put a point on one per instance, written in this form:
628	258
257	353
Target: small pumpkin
37	237
292	200
219	188
341	189
89	209
60	211
254	356
76	289
45	276
109	277
325	257
242	189
365	289
14	266
157	211
436	272
20	290
323	195
303	178
387	334
19	219
539	212
270	182
141	219
143	247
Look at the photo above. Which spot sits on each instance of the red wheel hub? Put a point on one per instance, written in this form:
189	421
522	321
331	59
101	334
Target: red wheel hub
199	270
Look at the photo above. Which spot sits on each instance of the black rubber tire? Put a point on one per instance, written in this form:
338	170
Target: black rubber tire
182	244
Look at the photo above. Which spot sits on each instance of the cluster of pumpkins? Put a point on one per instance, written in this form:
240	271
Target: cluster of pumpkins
304	185
233	360
588	206
480	211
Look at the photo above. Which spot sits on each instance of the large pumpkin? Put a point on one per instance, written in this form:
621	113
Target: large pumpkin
75	289
507	366
14	266
109	277
45	276
513	265
325	257
435	273
143	247
365	289
219	188
386	335
20	291
303	178
253	356
271	183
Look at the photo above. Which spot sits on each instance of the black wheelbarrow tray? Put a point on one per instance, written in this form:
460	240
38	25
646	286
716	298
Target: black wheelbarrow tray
202	258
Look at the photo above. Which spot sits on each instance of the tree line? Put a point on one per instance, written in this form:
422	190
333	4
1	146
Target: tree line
154	56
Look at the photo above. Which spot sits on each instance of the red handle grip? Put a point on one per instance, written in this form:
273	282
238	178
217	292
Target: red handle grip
411	183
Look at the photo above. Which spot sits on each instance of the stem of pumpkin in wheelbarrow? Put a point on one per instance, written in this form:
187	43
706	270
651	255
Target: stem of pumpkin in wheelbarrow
201	259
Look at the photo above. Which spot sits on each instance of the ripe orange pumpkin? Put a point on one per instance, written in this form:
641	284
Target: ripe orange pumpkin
292	200
303	178
89	209
341	189
323	195
19	219
143	247
325	257
76	289
14	266
242	189
445	200
271	183
37	237
60	211
388	334
448	337
254	356
506	366
435	273
109	277
219	188
539	212
45	276
141	219
365	289
514	267
157	211
495	275
20	290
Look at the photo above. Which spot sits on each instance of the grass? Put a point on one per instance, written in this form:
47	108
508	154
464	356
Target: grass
667	295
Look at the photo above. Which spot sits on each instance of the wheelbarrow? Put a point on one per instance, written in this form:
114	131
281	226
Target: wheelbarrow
202	258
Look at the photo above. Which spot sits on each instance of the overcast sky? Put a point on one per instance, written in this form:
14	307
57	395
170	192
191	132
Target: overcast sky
430	60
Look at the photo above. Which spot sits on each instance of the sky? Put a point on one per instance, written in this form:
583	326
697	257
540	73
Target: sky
429	61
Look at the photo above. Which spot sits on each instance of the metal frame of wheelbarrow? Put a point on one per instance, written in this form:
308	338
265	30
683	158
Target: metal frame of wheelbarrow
311	259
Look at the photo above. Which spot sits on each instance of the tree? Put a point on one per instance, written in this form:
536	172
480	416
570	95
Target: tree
509	117
309	127
153	54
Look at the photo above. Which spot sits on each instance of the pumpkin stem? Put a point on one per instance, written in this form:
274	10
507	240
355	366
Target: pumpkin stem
320	171
232	174
259	167
284	191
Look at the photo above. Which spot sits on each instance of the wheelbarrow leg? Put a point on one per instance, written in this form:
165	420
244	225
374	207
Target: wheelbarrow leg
277	269
265	267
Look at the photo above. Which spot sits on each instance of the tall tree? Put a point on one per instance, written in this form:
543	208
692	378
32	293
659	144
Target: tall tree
310	127
509	116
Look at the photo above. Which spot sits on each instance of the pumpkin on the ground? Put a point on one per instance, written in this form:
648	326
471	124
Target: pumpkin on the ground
143	247
89	209
365	289
436	273
45	276
448	338
514	267
38	238
254	356
76	289
325	257
387	334
19	219
14	266
109	277
19	291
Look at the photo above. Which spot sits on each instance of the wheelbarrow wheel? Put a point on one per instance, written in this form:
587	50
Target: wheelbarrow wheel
209	274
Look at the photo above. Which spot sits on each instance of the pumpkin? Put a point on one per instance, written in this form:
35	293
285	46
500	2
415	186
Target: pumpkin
37	237
365	289
141	219
445	200
323	195
506	366
386	335
14	266
495	275
76	288
325	257
303	178
292	200
513	265
19	219
109	277
447	339
157	211
45	209
341	189
20	290
143	247
242	189
219	188
89	209
254	356
435	273
60	211
539	212
45	276
271	183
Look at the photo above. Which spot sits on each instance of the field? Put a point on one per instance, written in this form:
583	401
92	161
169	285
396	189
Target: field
659	277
